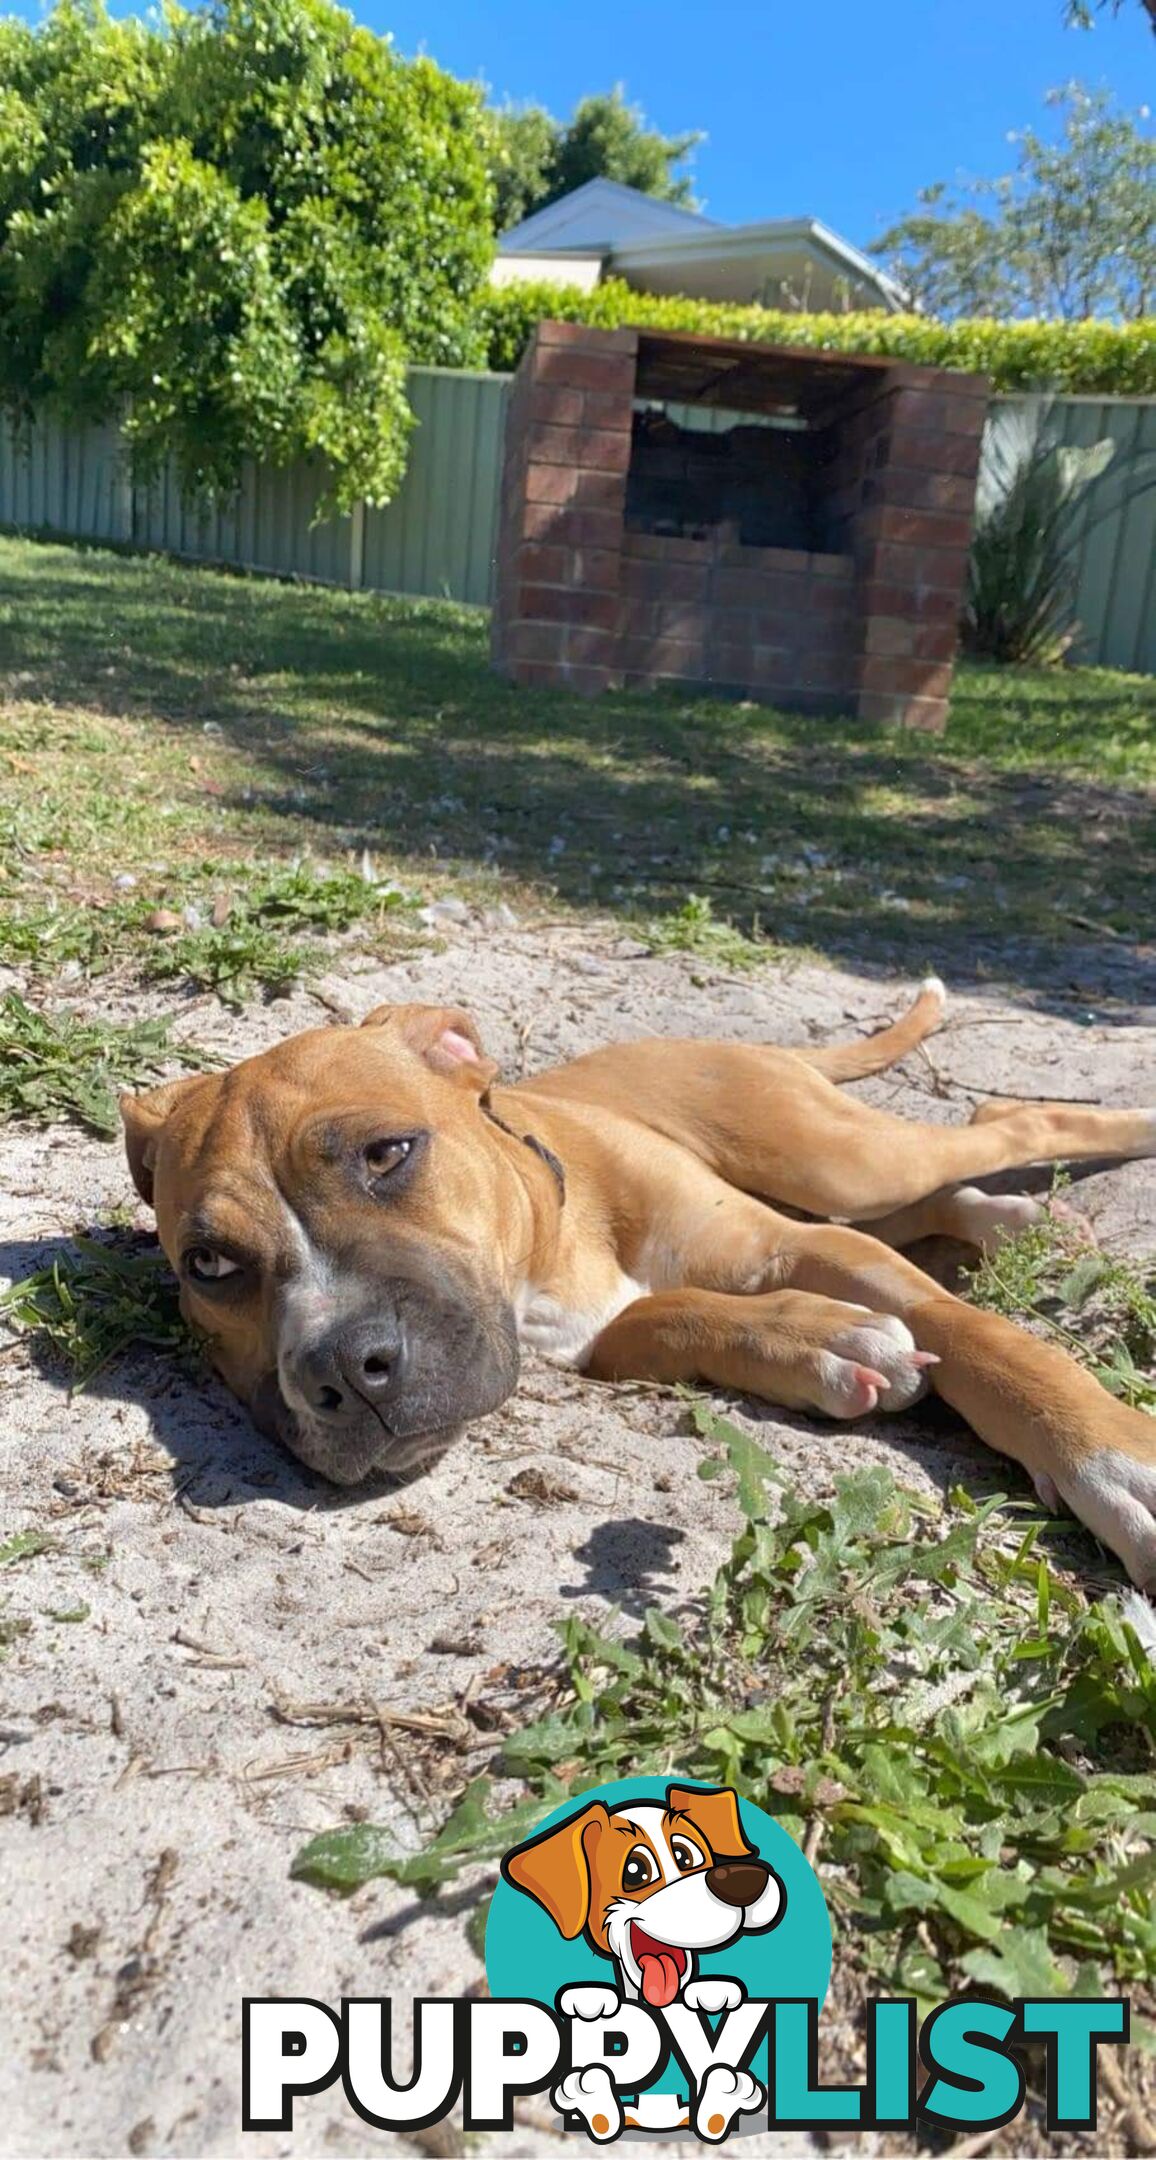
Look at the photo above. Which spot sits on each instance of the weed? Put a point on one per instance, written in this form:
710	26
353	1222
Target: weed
1103	1310
96	1301
241	957
897	1684
57	1065
695	928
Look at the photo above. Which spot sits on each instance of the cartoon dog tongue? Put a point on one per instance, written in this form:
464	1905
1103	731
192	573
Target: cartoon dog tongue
661	1968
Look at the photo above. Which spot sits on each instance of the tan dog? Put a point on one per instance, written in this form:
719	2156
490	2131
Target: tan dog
369	1229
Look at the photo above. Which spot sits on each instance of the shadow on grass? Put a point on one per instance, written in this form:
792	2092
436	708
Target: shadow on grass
355	721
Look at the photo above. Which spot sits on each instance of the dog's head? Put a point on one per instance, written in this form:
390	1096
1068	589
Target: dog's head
349	1228
649	1885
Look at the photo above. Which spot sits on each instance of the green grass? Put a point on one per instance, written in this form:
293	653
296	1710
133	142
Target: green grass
1100	1309
972	1747
59	1067
102	1297
196	731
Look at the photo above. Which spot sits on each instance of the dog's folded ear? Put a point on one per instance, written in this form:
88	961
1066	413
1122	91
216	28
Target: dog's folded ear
716	1813
444	1036
144	1118
555	1868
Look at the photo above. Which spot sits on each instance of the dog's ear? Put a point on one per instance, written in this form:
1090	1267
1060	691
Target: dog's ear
716	1814
143	1118
555	1868
444	1036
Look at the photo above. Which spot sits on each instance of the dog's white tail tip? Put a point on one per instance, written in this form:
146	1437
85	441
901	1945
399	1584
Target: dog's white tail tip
934	986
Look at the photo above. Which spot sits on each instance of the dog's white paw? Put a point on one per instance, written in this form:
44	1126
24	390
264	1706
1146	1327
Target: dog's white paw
725	2094
873	1366
588	2002
590	2094
1115	1495
713	1994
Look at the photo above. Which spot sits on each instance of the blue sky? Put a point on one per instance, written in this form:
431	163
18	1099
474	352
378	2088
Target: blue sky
838	111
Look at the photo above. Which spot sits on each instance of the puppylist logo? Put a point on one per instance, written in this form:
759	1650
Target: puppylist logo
658	1955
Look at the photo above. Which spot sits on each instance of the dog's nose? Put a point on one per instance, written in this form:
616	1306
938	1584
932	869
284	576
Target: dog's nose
353	1369
738	1882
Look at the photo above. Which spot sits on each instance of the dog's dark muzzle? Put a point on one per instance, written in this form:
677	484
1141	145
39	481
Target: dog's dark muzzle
390	1383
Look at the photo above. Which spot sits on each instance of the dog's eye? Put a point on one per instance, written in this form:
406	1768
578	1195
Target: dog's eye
382	1156
686	1854
641	1868
206	1266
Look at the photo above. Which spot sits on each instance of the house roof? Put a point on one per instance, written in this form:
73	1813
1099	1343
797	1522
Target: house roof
603	215
666	249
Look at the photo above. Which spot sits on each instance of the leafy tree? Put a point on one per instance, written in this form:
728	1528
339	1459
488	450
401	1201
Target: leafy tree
1081	14
237	227
535	158
1071	233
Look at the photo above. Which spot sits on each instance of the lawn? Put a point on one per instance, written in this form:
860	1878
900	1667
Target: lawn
190	733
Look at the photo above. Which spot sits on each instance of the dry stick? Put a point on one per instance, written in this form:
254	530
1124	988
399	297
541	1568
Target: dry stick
1135	2119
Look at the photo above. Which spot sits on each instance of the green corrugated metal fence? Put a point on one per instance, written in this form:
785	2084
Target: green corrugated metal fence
1116	593
437	537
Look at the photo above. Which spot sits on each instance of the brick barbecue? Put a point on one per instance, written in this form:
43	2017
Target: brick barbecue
783	525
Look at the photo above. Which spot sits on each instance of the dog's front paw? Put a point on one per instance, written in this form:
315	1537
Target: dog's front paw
871	1365
725	2094
588	2003
713	1994
590	2094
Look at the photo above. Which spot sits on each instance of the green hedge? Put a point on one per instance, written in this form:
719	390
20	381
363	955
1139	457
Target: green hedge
1098	358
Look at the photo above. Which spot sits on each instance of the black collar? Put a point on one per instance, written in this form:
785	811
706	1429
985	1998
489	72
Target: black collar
527	1139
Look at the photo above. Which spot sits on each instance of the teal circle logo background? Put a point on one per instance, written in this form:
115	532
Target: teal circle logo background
527	1957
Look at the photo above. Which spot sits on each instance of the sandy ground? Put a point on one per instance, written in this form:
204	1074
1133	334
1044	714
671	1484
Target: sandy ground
155	1800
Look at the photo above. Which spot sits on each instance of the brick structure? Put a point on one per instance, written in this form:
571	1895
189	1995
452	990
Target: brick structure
812	556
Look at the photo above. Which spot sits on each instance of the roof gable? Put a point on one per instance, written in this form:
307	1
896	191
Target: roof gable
601	214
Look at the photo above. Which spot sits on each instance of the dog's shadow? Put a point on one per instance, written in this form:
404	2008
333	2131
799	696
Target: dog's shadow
218	1458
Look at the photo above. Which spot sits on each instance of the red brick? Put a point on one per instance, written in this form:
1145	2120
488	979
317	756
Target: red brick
597	449
585	370
939	409
596	568
932	490
565	604
922	528
591	646
608	409
906	678
585	528
637	618
689	620
838	568
545	565
831	602
926	450
730	662
551	484
534	640
893	637
822	670
661	656
600	490
930	607
551	405
918	569
666	548
659	581
589	337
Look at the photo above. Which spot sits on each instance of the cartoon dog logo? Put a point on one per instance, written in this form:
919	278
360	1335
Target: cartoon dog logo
651	1888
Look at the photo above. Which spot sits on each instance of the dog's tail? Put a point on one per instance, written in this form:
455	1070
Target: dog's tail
855	1060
